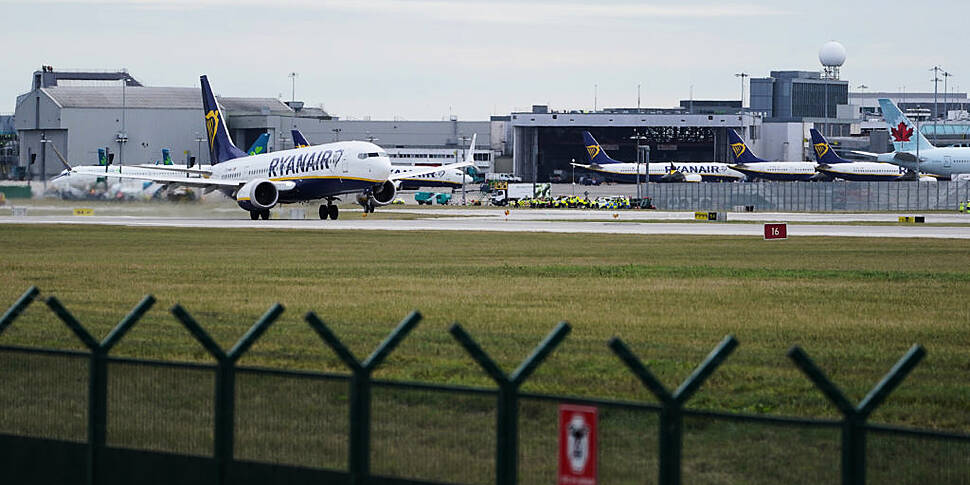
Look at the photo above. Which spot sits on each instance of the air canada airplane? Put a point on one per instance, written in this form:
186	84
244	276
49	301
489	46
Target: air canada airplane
626	172
835	166
448	178
754	167
260	182
941	161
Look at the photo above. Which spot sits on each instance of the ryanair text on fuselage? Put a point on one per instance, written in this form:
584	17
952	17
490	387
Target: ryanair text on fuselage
305	162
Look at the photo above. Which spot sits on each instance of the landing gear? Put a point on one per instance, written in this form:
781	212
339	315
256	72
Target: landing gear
330	211
369	208
264	214
254	215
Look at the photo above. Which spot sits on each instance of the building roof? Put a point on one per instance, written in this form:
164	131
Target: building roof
158	98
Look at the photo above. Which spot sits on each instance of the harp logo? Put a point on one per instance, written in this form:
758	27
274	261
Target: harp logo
738	149
211	125
821	149
593	151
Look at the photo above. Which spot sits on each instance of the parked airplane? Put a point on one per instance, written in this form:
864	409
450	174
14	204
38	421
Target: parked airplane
626	172
754	167
940	161
835	166
260	182
453	178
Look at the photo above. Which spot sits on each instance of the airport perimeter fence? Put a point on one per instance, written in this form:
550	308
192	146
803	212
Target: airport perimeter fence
89	417
838	196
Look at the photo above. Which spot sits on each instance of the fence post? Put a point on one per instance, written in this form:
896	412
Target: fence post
671	414
507	414
360	387
854	422
98	377
225	385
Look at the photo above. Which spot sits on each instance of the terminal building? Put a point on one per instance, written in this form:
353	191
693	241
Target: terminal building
76	113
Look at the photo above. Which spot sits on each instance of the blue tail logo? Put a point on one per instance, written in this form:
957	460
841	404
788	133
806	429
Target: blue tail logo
260	145
823	151
212	125
740	150
595	151
166	157
299	141
221	147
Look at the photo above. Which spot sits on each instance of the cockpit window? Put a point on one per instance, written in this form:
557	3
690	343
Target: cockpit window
362	155
373	154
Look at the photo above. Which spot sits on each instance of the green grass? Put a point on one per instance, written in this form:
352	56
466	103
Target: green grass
855	305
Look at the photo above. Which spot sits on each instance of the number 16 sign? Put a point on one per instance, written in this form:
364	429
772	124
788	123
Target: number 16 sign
776	230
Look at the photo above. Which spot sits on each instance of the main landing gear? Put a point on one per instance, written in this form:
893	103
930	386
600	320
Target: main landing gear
255	215
329	210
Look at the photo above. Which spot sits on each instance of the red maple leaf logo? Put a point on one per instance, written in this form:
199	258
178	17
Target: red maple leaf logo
901	132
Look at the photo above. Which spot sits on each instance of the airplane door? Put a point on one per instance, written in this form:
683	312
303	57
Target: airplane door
947	161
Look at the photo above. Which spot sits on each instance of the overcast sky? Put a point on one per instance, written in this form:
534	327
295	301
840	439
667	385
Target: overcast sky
426	59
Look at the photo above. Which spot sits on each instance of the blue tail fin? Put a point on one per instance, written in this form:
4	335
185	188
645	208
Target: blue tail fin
740	151
102	156
221	147
823	151
299	141
595	151
260	145
166	157
901	129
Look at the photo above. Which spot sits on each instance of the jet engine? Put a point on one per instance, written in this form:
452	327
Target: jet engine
258	194
378	195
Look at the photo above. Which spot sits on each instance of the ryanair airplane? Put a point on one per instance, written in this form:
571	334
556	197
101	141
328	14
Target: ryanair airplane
935	161
835	166
626	172
260	182
754	167
452	178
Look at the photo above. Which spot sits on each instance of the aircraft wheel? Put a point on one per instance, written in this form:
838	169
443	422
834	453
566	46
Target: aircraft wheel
254	215
264	214
333	212
324	211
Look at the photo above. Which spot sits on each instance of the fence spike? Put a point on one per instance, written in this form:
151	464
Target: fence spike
706	368
540	353
333	341
18	307
893	378
198	332
126	323
636	366
254	332
478	354
72	323
392	341
815	374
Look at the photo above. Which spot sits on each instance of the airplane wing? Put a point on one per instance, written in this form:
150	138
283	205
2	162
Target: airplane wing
210	183
580	165
469	160
193	171
865	154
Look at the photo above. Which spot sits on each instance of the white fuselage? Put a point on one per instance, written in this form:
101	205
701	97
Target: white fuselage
791	171
944	161
449	177
863	171
627	172
318	171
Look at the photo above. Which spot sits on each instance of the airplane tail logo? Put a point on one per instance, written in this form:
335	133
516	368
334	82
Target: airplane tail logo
221	147
738	149
593	150
299	141
102	156
166	157
821	149
905	137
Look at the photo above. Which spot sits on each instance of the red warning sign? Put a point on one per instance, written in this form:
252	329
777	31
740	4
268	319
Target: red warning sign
775	230
577	445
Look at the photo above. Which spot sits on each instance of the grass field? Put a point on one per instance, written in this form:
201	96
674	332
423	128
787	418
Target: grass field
856	305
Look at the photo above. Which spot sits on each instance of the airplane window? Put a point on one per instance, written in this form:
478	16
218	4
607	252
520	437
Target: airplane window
373	154
361	156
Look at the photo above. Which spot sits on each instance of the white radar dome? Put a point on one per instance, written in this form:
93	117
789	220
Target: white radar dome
832	54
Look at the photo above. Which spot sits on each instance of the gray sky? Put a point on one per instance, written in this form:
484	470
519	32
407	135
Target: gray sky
424	59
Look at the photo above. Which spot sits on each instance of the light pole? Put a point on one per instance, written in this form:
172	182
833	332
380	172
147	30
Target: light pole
461	145
293	76
862	105
742	75
638	138
946	99
43	158
573	167
199	140
936	110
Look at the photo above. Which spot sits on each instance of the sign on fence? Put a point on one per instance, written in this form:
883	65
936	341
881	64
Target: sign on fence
83	211
776	230
577	445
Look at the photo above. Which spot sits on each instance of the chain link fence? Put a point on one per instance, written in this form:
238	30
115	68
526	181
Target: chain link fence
812	196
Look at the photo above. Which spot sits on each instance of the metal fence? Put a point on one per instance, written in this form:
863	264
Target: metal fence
812	196
88	417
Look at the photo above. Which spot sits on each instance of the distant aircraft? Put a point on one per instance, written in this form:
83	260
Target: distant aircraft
835	166
260	145
754	167
626	172
260	182
941	161
453	178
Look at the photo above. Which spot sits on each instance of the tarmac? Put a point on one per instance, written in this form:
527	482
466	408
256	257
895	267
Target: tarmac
555	221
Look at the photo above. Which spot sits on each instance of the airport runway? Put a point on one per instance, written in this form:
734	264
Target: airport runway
519	221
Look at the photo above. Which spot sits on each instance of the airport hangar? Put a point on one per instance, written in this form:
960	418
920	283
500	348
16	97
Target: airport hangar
79	112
